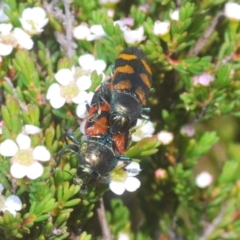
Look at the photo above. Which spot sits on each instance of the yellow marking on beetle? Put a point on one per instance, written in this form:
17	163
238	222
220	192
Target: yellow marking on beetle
141	95
123	85
145	79
146	66
127	57
122	69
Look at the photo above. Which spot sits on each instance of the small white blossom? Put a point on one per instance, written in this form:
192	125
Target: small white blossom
134	36
81	109
71	87
175	15
161	28
232	11
3	16
89	63
204	80
187	130
24	158
1	126
165	137
31	129
123	236
204	179
108	1
82	31
33	20
124	180
144	129
12	203
13	39
97	32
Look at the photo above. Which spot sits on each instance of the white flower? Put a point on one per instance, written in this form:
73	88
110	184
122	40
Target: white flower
7	41
134	36
82	31
204	79
31	129
144	129
97	32
108	1
165	137
71	87
12	203
124	180
89	63
1	126
3	16
204	179
12	39
82	109
187	130
123	236
23	39
33	20
232	11
24	158
161	28
175	15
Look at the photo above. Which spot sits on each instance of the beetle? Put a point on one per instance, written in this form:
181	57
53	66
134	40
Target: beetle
119	102
127	91
96	155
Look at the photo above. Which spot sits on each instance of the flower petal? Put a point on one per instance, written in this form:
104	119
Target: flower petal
1	188
13	202
35	171
23	141
64	76
8	148
132	184
5	49
84	82
18	171
57	102
133	169
117	187
31	129
86	61
81	110
53	91
81	97
41	153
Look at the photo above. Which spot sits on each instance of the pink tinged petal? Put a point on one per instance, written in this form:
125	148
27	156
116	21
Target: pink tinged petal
132	184
35	171
82	127
8	148
80	98
23	141
41	153
64	76
13	202
18	171
84	83
53	91
86	61
81	110
5	49
117	187
31	129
